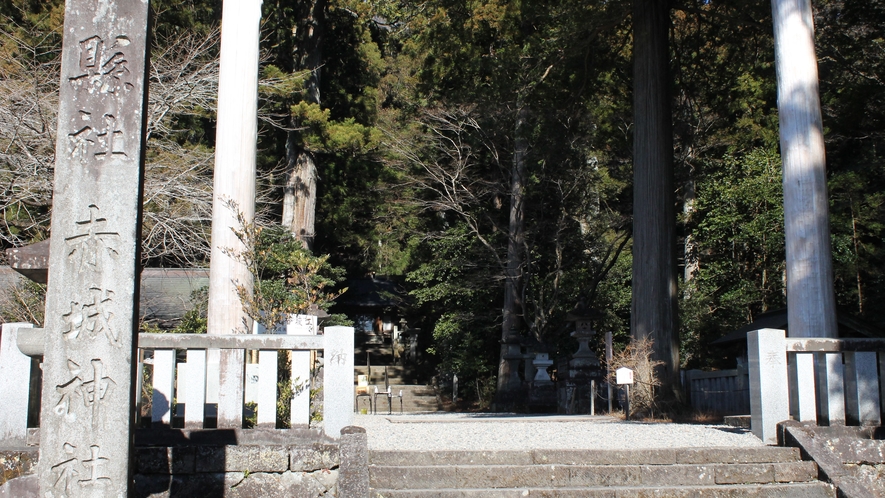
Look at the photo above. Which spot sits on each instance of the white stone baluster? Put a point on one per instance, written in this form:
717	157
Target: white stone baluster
194	395
267	389
163	382
15	377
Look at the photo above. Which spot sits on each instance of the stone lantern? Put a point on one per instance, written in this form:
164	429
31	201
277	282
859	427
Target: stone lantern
577	395
583	317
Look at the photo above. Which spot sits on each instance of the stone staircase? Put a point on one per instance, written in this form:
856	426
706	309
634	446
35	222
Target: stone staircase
661	473
416	397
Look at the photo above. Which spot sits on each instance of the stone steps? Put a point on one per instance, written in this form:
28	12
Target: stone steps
719	472
416	398
799	490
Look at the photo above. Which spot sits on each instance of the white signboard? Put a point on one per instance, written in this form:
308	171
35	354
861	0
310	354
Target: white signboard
624	375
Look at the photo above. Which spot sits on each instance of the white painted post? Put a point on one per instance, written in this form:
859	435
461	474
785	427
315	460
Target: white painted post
15	380
194	395
831	388
805	395
862	388
163	382
769	388
338	380
267	389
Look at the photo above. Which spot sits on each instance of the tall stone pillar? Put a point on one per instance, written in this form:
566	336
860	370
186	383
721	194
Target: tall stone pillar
92	297
811	302
234	191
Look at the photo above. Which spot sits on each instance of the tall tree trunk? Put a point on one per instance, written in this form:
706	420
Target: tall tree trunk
654	311
515	255
811	301
299	195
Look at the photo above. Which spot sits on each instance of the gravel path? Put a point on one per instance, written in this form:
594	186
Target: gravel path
462	431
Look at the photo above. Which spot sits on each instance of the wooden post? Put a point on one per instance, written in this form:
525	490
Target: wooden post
811	303
234	190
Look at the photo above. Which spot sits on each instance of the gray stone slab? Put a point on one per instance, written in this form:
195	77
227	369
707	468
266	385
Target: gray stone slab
314	457
678	475
605	457
795	472
167	461
162	486
605	475
750	473
413	477
451	457
513	476
737	455
353	472
242	459
91	308
15	380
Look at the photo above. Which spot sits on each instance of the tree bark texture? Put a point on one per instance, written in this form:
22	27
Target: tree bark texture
299	194
235	150
654	310
811	302
512	310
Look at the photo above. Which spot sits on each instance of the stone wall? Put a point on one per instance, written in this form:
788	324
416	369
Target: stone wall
226	463
266	470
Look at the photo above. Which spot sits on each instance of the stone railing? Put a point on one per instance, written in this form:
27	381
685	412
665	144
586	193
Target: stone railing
824	381
337	392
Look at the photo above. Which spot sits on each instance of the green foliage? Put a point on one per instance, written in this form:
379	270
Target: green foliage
740	250
288	278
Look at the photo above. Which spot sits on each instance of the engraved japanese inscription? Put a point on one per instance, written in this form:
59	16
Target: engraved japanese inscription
91	300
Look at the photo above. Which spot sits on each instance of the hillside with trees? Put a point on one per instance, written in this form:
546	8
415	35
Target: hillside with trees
483	153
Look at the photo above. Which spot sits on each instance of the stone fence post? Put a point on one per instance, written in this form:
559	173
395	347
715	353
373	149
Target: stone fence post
353	473
15	380
769	382
338	380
